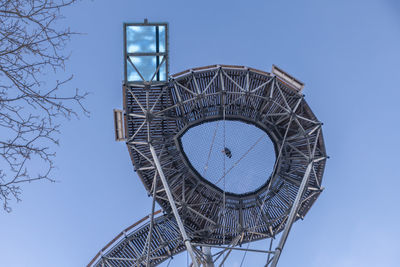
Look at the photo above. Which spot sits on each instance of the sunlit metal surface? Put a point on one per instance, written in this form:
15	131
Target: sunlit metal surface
157	118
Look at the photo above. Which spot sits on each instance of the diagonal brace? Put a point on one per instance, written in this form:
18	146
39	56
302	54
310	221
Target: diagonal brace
173	206
293	213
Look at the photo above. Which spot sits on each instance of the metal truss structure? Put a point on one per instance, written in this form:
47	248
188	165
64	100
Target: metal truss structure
197	214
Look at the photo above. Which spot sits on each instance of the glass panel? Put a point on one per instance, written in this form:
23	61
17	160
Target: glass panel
146	39
161	39
141	39
162	71
146	65
131	73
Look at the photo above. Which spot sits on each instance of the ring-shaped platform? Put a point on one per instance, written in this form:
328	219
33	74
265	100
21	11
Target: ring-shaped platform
160	114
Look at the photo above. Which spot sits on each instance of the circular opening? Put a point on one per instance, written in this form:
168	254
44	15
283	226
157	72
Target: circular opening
236	157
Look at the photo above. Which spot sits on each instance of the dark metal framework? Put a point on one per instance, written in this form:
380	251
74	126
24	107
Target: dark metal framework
197	213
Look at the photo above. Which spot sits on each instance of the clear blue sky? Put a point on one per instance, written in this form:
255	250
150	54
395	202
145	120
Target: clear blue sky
346	52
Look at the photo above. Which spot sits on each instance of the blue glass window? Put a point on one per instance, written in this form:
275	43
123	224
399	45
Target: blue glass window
141	39
146	53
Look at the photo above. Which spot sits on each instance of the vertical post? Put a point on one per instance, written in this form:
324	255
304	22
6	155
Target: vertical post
208	257
173	206
292	214
151	221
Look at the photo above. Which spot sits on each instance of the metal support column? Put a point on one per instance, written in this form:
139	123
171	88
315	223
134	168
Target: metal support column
173	206
208	257
151	221
292	215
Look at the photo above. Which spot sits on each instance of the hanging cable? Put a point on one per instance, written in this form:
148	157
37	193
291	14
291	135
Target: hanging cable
244	255
237	162
270	249
211	147
169	262
224	196
268	187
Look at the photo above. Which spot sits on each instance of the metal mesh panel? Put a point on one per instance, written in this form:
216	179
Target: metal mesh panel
243	152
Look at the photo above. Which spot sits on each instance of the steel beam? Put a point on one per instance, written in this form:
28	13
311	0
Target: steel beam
292	215
173	206
208	257
151	221
232	248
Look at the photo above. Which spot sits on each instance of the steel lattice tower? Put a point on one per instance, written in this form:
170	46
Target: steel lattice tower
192	136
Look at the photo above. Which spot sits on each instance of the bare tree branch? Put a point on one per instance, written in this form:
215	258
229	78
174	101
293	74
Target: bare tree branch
31	46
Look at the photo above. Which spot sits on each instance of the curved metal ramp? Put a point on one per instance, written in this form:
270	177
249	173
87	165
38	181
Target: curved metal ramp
135	247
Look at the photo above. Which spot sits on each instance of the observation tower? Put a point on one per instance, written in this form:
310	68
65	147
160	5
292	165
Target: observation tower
231	154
